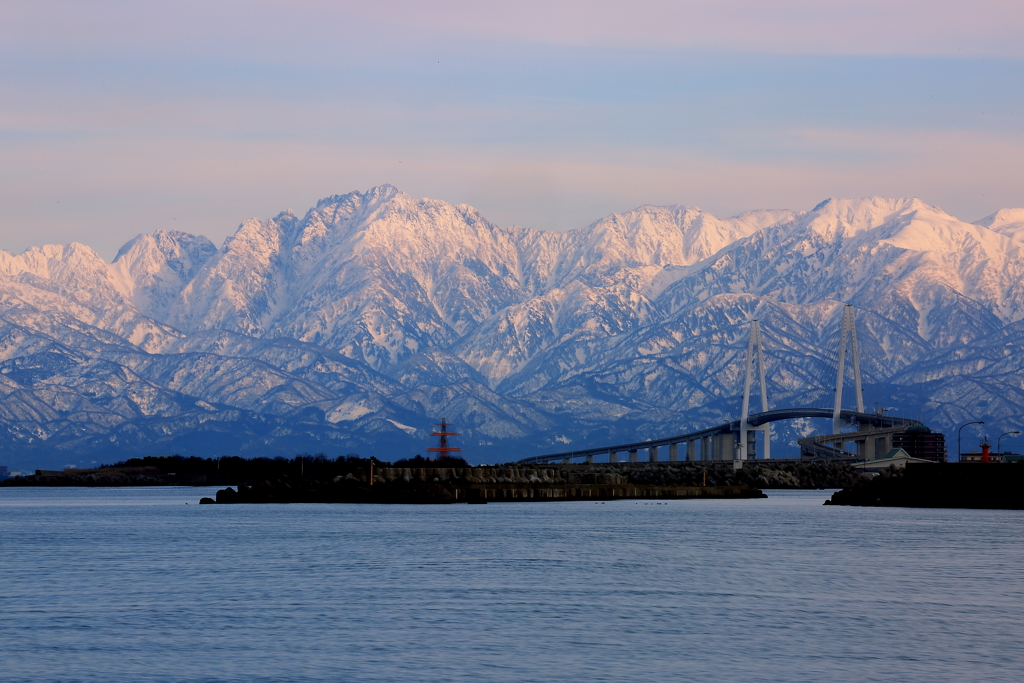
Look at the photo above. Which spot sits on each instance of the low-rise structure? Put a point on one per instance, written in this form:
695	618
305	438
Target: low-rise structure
976	456
897	458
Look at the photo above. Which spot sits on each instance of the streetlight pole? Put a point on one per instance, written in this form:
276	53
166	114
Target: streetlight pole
998	449
959	451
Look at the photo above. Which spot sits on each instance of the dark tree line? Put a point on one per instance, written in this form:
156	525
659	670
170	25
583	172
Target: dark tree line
303	466
420	461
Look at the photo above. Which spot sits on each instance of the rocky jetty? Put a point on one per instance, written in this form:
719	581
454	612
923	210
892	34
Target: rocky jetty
471	485
989	486
543	483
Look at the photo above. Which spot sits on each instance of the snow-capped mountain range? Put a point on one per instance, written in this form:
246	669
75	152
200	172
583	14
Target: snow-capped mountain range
354	327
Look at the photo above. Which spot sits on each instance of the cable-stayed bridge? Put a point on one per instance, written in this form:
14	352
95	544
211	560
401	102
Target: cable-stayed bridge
736	439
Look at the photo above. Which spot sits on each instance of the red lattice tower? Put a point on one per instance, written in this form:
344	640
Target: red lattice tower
443	449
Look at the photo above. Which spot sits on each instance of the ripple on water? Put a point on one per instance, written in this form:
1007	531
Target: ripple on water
134	585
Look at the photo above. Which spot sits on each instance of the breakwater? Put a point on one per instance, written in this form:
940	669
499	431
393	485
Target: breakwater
472	485
654	481
988	486
105	477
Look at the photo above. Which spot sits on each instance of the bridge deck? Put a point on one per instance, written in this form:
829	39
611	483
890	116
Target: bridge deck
753	421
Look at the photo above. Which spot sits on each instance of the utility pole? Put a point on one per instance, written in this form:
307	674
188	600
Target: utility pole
443	450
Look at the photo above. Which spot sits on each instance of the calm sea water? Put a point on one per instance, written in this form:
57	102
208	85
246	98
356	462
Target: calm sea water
135	585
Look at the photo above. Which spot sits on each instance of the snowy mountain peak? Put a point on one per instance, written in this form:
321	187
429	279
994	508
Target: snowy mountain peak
375	311
156	267
840	218
1009	222
353	200
71	265
662	236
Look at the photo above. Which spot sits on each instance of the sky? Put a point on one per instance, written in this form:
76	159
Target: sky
119	118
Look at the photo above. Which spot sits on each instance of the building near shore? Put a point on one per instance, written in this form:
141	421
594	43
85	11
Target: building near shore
977	456
921	443
987	455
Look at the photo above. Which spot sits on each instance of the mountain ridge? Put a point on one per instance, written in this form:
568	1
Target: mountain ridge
356	324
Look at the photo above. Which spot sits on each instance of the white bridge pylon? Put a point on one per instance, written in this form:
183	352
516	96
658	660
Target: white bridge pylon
754	351
719	442
848	334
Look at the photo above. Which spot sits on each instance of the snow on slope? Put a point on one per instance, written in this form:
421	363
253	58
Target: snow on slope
947	280
360	321
74	280
377	275
155	268
1009	222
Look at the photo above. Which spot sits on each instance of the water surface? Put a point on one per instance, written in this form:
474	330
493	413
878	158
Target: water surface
135	585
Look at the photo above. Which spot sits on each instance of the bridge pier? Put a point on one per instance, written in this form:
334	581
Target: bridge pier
872	442
873	439
766	429
751	443
867	446
725	446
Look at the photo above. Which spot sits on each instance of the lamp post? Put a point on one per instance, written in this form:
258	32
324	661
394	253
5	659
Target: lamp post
959	451
998	449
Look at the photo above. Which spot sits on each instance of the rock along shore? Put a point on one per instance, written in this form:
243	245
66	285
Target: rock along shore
988	486
666	481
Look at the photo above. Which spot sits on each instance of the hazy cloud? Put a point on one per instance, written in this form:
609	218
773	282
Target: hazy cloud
121	117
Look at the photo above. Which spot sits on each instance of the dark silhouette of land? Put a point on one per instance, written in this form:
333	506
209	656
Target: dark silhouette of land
514	482
173	470
992	486
508	483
